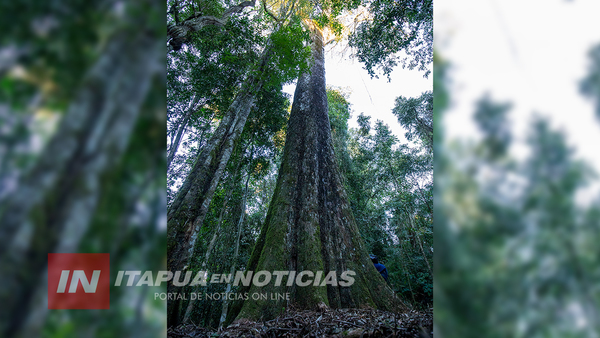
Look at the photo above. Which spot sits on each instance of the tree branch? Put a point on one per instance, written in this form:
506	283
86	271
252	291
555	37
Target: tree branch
269	12
174	10
178	33
238	8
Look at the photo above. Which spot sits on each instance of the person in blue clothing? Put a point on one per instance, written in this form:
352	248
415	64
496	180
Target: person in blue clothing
380	267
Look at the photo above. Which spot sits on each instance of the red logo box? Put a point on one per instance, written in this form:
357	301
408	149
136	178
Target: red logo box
78	281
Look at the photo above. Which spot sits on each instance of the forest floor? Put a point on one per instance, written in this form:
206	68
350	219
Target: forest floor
345	323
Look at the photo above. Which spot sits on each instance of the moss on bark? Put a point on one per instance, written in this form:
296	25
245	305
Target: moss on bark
309	225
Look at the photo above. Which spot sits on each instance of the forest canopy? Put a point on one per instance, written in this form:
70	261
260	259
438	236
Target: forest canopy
231	136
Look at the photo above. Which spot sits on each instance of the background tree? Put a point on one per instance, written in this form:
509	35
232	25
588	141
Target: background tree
393	203
214	252
395	32
310	220
189	206
590	85
512	233
416	115
257	150
82	84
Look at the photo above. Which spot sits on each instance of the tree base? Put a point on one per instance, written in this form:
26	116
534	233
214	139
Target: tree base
323	323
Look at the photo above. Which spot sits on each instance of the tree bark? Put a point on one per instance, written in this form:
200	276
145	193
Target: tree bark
188	210
178	32
236	252
309	225
180	130
212	243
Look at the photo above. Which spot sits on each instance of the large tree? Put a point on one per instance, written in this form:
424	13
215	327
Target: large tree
310	225
309	222
276	65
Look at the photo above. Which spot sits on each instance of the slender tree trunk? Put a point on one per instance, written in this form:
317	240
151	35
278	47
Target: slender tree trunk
310	225
236	252
192	302
182	240
52	209
406	275
180	130
416	233
188	210
409	215
211	246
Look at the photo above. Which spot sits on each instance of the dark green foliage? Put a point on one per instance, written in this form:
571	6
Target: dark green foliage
491	118
380	174
56	44
185	9
390	192
213	67
513	243
291	53
51	48
416	116
396	26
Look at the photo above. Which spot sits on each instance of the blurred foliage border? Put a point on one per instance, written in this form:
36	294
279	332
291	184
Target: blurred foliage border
82	165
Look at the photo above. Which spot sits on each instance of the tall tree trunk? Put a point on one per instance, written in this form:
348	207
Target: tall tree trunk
52	209
408	211
188	210
217	232
309	225
34	324
188	312
180	130
415	231
236	252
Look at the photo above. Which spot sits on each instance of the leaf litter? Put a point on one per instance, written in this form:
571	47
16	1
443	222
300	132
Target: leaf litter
346	323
